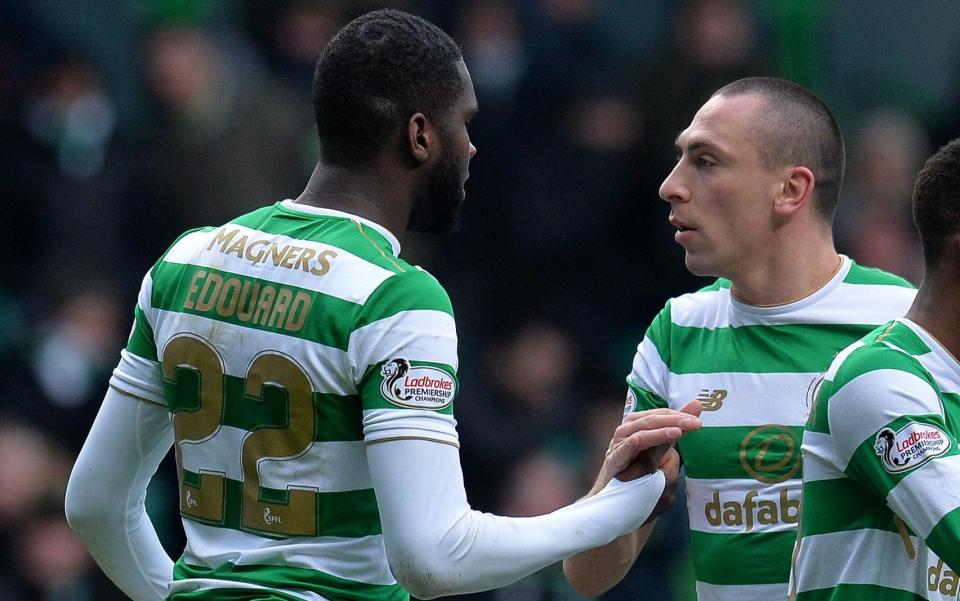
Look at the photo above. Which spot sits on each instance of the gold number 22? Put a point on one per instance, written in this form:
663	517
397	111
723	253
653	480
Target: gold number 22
206	500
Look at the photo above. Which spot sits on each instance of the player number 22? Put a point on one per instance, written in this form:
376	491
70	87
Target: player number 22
206	500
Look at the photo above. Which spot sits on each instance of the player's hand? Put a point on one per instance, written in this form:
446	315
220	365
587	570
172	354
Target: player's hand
640	443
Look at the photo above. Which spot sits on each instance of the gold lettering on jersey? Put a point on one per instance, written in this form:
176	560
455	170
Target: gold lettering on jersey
227	300
712	400
210	292
750	512
269	305
194	287
279	311
261	250
941	578
254	256
248	300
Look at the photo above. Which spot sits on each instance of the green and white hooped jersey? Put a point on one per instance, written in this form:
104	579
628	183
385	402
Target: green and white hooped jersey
752	368
881	481
282	343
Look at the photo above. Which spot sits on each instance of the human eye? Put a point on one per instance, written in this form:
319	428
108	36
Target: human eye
703	162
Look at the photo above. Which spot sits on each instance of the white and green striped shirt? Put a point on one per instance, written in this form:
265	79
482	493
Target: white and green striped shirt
752	368
282	343
881	481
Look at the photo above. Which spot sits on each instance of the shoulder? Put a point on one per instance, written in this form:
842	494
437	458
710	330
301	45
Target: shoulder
882	362
700	308
408	289
694	309
871	276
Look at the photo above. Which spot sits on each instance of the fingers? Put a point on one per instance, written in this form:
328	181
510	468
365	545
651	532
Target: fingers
694	407
657	419
641	443
648	439
624	451
670	461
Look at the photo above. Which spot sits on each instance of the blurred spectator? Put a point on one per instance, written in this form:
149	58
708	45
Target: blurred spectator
54	564
540	483
524	401
62	381
230	141
492	41
42	558
292	33
564	256
874	219
31	472
70	180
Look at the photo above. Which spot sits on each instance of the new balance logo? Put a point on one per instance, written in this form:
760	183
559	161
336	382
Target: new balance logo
712	400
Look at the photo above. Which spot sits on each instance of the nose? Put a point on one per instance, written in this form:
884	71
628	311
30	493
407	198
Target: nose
473	150
672	188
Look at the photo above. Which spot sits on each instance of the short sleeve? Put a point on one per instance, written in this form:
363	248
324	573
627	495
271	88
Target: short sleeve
890	434
403	353
646	383
138	373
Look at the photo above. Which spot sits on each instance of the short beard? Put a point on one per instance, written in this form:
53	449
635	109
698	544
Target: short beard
437	204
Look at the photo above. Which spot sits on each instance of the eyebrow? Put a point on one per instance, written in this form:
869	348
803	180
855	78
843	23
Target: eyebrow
695	145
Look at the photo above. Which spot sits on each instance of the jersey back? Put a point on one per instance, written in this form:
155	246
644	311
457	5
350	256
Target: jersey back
276	341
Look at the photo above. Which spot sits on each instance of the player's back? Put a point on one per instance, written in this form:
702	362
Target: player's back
254	325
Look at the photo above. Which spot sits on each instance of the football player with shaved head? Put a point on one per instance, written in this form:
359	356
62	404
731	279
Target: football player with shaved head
752	199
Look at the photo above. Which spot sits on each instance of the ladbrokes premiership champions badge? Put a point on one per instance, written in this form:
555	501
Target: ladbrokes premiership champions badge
416	386
910	446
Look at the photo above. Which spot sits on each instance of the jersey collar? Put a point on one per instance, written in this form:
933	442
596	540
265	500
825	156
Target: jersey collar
290	205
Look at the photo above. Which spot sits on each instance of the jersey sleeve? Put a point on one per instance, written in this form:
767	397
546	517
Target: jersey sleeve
889	430
646	384
138	373
403	352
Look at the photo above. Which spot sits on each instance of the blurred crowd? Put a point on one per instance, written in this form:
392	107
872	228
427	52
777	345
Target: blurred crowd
124	123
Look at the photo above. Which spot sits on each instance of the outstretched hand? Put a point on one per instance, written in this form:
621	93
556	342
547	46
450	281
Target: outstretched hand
641	442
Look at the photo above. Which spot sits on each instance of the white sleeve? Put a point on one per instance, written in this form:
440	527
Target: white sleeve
436	545
104	501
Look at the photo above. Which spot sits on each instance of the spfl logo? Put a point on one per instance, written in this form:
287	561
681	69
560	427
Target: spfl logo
910	446
416	386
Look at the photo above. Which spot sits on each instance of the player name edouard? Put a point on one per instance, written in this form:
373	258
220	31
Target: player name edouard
268	305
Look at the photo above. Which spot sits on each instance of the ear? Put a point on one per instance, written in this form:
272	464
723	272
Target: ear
796	191
420	137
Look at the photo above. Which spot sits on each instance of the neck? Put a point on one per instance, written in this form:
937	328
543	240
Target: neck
937	309
363	193
795	267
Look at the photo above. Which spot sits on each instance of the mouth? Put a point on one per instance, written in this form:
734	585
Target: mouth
681	226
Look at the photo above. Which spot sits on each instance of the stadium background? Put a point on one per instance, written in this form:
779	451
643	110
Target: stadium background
123	123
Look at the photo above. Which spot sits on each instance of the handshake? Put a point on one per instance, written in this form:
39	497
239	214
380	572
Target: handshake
643	443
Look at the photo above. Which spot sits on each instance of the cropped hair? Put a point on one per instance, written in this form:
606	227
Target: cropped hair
378	70
936	202
797	128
